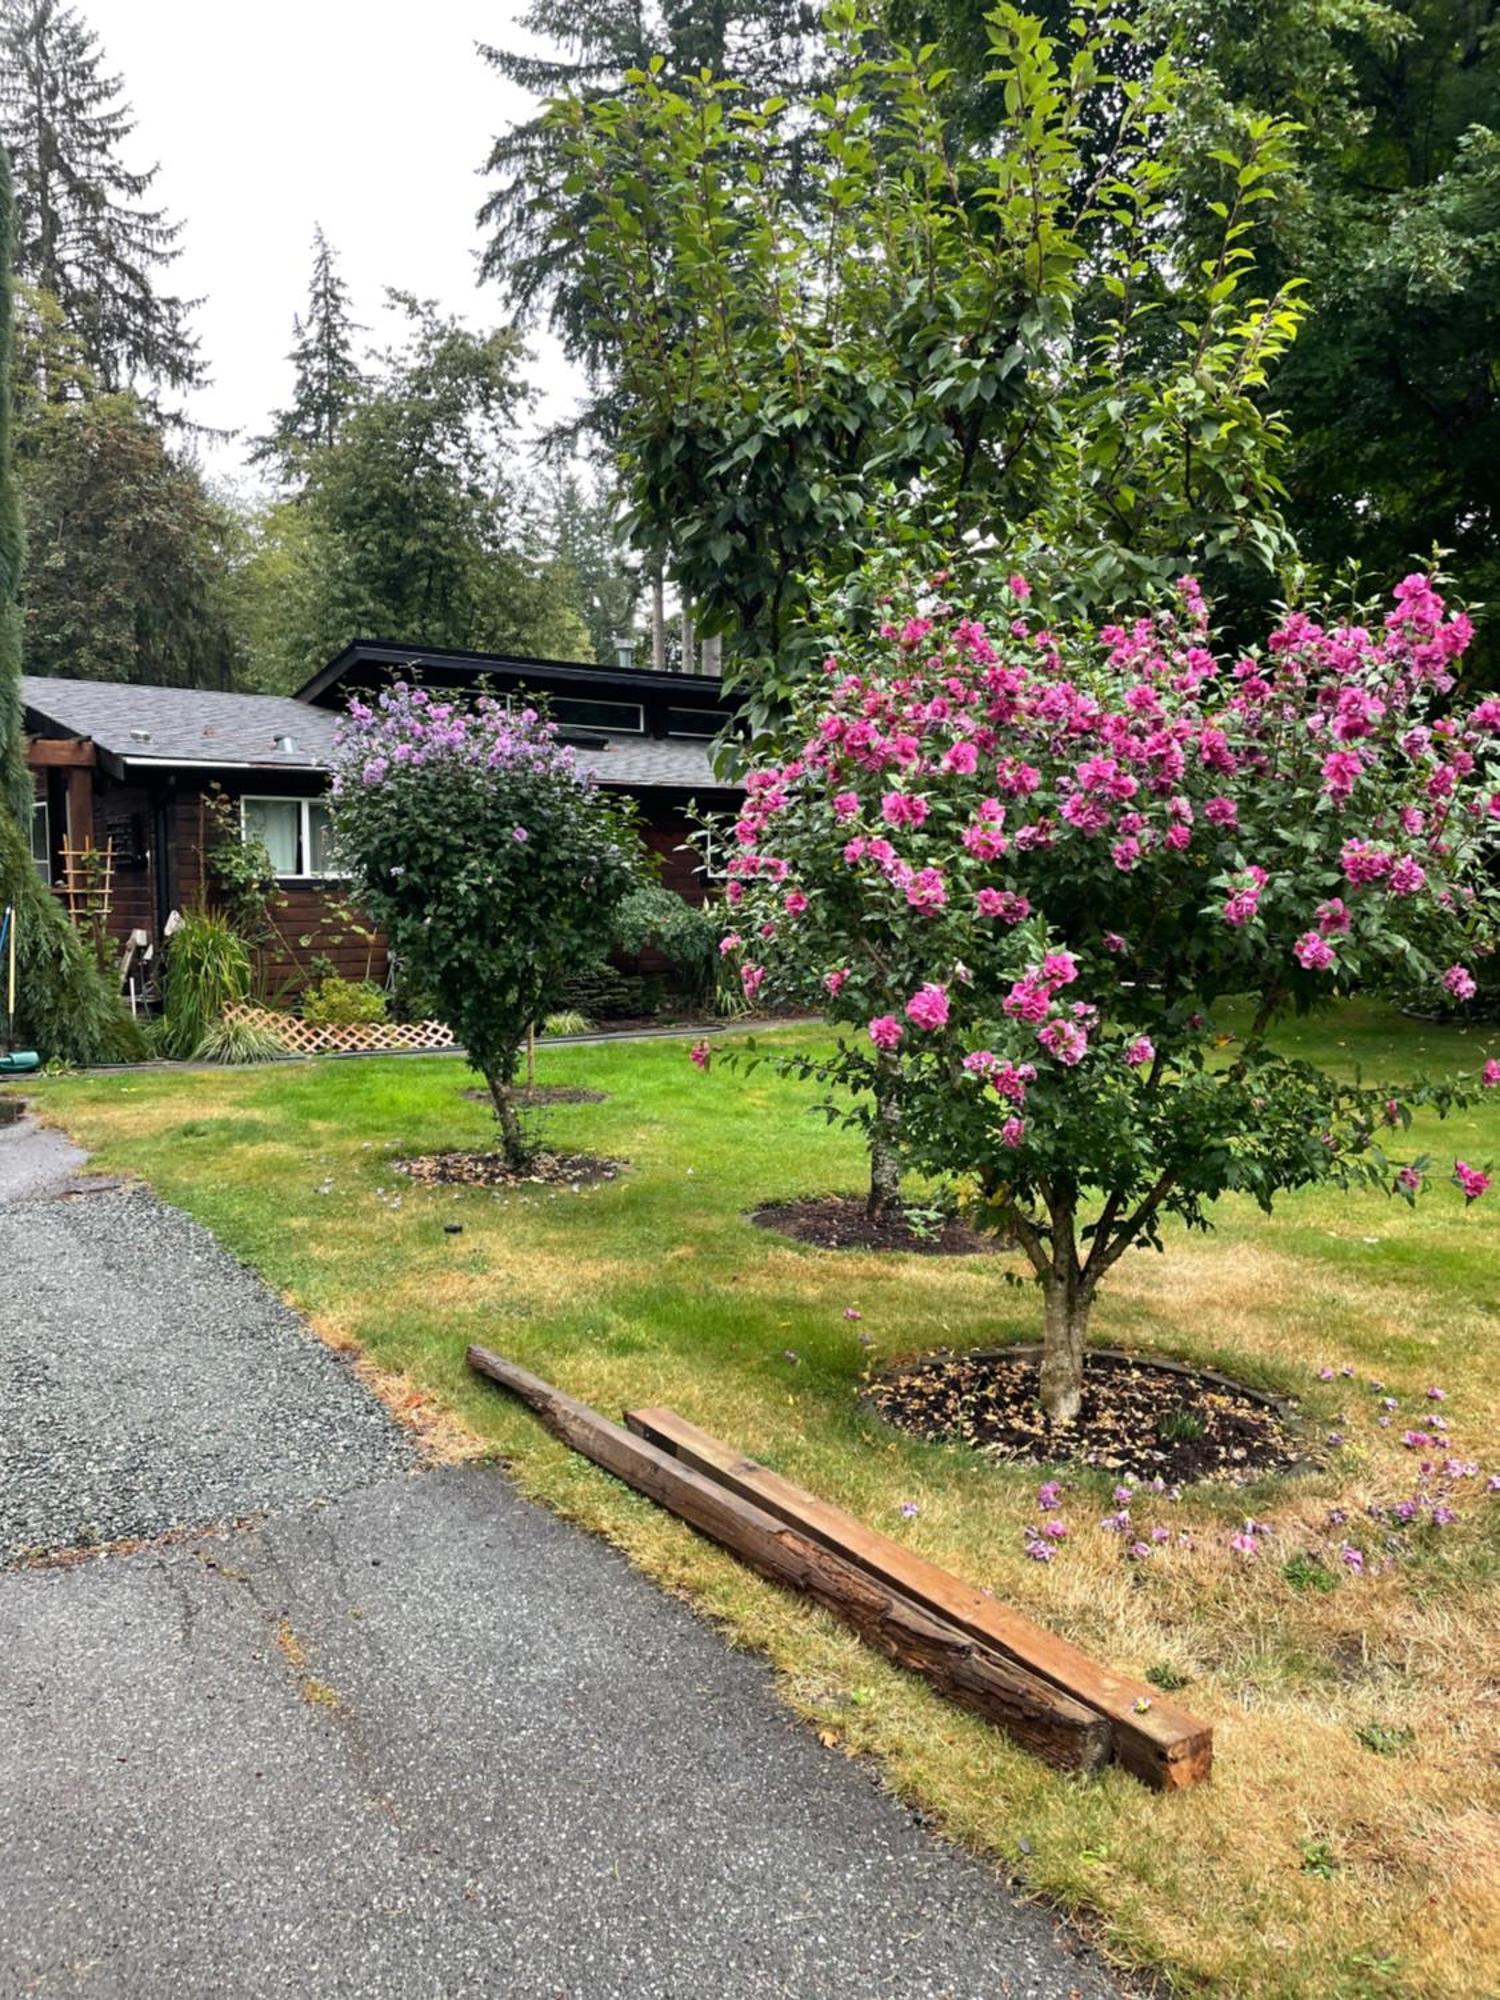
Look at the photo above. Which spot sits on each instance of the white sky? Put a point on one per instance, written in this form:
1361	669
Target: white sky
371	118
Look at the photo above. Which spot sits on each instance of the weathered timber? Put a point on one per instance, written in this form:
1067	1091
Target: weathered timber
61	753
1159	1743
1053	1725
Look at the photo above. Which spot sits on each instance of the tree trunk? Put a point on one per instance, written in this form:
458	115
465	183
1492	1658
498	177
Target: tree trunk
1066	1326
512	1140
884	1201
689	640
658	620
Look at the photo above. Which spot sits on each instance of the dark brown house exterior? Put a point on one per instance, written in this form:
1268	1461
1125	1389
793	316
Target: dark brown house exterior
131	767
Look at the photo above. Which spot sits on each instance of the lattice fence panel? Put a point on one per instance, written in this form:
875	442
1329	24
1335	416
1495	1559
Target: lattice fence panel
364	1038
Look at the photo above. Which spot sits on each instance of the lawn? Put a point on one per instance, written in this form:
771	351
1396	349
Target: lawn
1350	1841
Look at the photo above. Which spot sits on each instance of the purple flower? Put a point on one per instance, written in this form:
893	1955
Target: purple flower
1049	1494
853	1312
1040	1552
1336	1439
519	833
1246	1545
1352	1558
1123	1496
1443	1517
1436	1395
909	1510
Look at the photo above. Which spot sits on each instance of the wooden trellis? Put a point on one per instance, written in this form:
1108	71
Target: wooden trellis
88	881
302	1038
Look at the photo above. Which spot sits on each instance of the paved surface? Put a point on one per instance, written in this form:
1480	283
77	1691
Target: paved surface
418	1738
149	1382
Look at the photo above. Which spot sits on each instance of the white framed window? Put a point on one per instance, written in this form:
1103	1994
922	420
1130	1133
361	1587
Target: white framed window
296	833
41	841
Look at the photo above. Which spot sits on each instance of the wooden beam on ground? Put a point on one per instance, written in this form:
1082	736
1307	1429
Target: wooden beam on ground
1156	1741
1051	1724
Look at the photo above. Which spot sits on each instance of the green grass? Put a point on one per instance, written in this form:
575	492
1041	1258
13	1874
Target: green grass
1316	1863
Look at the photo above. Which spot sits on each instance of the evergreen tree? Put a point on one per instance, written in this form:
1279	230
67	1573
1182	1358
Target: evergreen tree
766	44
64	1005
327	373
15	779
584	532
128	567
413	525
84	233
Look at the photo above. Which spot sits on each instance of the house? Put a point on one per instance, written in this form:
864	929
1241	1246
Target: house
134	769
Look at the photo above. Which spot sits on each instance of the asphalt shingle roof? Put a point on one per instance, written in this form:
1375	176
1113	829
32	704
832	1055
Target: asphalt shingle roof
204	726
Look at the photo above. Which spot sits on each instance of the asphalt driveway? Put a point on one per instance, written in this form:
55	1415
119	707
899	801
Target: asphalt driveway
324	1722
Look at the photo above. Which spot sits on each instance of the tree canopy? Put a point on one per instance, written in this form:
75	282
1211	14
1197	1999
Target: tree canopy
327	379
808	339
85	232
413	524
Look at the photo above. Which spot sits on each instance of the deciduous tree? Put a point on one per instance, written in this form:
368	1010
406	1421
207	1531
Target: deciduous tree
493	863
808	337
1034	861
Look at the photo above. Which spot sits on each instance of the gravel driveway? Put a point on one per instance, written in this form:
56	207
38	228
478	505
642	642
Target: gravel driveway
386	1730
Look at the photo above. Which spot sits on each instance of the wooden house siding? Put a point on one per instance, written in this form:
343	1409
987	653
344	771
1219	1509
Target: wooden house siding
159	824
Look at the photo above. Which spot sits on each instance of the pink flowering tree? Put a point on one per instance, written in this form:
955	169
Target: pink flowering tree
493	863
1031	864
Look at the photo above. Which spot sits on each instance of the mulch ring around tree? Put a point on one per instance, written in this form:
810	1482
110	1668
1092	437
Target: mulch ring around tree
573	1171
839	1222
543	1093
1142	1419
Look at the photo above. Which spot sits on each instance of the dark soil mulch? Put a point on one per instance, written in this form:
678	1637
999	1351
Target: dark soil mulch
839	1222
1138	1418
545	1093
570	1170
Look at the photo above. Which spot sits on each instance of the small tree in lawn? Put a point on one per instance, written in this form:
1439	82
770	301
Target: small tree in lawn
493	863
1034	861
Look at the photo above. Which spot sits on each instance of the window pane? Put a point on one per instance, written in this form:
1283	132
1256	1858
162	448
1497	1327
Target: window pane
320	839
277	822
697	721
599	714
41	840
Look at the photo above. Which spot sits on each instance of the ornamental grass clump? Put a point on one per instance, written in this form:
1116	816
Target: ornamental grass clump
491	860
1027	864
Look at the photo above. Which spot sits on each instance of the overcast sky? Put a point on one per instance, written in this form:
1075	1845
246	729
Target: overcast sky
369	117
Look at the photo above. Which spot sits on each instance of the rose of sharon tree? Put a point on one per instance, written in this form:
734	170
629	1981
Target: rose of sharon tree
493	863
1032	863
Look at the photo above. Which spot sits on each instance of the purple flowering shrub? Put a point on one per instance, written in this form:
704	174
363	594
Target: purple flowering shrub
1027	865
493	863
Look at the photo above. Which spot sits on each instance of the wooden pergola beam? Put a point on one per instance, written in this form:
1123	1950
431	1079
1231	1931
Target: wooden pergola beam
61	753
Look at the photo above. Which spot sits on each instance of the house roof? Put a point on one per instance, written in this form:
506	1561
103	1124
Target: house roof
375	662
184	727
162	725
